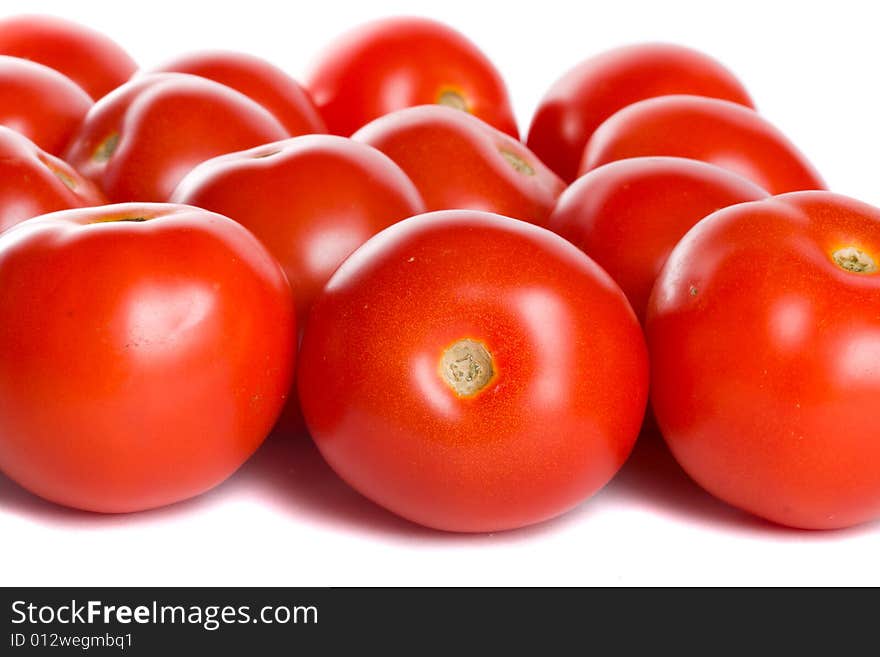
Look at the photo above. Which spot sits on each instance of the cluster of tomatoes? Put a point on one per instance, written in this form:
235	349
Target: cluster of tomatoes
466	323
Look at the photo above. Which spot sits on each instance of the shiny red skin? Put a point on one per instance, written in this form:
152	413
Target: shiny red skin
259	80
555	422
32	182
92	60
311	200
40	103
167	123
143	361
393	63
715	131
458	162
766	359
628	215
592	91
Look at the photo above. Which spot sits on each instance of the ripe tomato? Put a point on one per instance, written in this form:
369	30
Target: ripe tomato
395	63
715	131
459	162
32	182
628	215
141	139
764	331
147	350
92	60
472	373
258	80
311	200
598	87
40	103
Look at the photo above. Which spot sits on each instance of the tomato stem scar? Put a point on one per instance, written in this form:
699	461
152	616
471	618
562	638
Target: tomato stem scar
518	163
452	98
466	367
854	260
106	148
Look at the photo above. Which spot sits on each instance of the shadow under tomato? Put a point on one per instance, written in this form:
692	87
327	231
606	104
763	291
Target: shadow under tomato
288	473
291	474
19	501
653	478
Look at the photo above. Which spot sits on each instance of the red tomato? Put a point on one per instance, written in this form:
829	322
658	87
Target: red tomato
40	103
311	200
764	331
598	87
92	60
258	80
32	182
472	373
141	139
628	215
715	131
147	350
394	63
459	162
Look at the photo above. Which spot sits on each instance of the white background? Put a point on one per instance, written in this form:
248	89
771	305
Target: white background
284	519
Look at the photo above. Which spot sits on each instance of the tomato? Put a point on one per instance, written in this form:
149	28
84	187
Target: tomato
400	62
258	80
473	373
460	162
715	131
311	200
40	103
32	182
764	332
140	140
147	350
628	215
92	60
592	91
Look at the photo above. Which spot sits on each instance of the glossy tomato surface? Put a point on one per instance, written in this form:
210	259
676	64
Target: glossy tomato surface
628	215
141	139
32	182
764	332
40	103
592	91
147	350
473	373
395	63
311	200
91	59
259	80
715	131
460	162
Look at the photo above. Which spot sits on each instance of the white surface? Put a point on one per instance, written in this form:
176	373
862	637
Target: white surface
285	520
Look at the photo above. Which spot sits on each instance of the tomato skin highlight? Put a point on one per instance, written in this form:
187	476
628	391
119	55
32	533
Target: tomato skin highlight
543	334
459	162
139	141
394	63
715	131
40	103
595	89
629	214
92	60
147	351
33	182
765	355
260	81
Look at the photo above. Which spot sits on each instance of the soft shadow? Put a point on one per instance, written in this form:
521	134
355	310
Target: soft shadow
290	473
652	478
16	500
